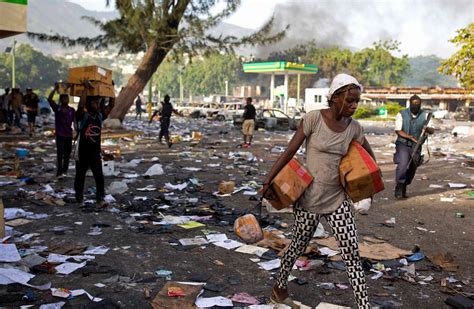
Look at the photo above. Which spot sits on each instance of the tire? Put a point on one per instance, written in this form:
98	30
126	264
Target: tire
220	118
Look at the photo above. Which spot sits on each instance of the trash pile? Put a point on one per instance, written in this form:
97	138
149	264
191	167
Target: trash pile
182	227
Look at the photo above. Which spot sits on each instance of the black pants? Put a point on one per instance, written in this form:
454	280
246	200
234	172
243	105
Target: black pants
64	148
95	164
404	173
164	129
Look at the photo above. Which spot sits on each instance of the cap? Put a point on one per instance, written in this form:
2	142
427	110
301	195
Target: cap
341	80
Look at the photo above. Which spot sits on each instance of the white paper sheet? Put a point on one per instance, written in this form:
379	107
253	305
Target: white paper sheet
216	237
251	249
193	241
327	251
97	250
228	244
269	265
57	305
179	187
207	302
9	253
67	268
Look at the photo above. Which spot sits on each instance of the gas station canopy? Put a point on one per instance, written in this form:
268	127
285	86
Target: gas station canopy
280	68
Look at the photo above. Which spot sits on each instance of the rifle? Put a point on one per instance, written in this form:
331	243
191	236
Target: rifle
420	141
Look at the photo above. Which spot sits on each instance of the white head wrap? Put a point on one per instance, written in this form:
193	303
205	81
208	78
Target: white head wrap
341	80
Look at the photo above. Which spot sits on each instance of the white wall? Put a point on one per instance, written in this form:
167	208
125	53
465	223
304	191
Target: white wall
315	99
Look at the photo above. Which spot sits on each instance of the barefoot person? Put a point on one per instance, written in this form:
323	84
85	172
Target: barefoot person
328	134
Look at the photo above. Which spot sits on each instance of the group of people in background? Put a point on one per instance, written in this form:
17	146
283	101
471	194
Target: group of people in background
13	104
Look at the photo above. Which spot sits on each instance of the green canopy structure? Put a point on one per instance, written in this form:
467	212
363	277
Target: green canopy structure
281	68
13	17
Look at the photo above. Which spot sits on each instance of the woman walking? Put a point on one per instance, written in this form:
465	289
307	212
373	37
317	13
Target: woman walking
328	134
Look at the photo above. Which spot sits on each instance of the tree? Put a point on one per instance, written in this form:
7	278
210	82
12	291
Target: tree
161	27
33	69
461	63
209	75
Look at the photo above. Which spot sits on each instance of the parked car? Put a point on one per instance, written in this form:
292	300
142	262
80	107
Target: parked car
227	112
441	114
464	113
271	119
198	110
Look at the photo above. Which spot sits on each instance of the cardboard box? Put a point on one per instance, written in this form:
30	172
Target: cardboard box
91	73
226	187
99	89
288	185
196	136
359	173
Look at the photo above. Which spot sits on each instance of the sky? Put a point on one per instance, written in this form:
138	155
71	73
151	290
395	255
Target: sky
423	27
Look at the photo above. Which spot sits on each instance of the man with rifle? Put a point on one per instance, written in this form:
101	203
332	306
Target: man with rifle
411	126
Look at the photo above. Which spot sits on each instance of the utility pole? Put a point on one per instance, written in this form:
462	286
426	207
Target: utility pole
181	90
226	88
13	65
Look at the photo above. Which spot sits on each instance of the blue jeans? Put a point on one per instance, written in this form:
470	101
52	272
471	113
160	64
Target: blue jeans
404	174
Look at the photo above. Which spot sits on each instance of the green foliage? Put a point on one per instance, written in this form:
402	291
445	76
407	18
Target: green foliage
461	63
375	66
167	78
393	108
209	76
424	73
364	112
33	69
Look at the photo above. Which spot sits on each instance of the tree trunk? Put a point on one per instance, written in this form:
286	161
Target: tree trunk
150	62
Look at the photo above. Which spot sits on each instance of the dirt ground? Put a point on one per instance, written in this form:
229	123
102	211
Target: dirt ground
138	249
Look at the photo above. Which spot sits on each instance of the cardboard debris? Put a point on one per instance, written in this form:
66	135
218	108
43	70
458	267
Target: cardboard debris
226	187
445	261
163	301
378	251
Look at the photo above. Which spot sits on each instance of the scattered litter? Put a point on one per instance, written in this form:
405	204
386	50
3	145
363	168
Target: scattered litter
270	265
9	253
154	170
245	298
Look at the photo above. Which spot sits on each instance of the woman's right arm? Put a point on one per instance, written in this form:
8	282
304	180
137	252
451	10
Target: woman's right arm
285	157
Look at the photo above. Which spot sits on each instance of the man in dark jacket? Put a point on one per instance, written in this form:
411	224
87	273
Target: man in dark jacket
248	125
408	126
88	153
165	117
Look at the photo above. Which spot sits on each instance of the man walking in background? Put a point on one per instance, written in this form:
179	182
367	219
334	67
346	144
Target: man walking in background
165	118
31	103
248	125
138	108
63	120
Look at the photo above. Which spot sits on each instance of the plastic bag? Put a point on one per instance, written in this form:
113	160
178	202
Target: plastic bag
362	207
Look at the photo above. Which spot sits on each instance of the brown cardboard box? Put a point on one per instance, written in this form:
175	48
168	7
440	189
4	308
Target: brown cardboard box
288	185
91	73
99	89
196	135
359	174
226	187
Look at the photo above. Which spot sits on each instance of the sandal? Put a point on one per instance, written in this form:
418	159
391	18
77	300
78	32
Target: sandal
287	301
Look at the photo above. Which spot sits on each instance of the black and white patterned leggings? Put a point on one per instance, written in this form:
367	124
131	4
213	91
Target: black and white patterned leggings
345	231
